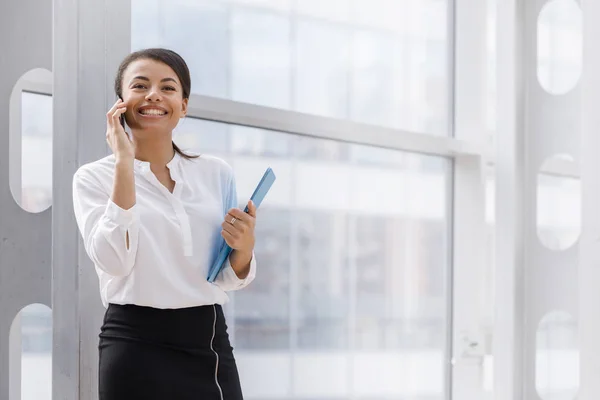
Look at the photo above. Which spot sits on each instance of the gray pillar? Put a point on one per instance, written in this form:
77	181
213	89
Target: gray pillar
589	267
533	125
24	237
90	38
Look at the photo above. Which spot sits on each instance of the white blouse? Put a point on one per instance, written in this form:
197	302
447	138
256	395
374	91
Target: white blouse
173	237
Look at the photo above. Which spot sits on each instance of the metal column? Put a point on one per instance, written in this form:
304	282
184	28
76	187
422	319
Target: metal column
25	238
589	271
90	38
533	126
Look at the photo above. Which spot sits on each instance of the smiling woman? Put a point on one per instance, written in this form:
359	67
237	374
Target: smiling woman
147	76
152	239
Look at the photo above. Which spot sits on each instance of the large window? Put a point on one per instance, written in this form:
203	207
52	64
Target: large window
352	247
352	241
378	62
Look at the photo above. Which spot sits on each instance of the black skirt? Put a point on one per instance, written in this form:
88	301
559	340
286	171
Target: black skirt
179	354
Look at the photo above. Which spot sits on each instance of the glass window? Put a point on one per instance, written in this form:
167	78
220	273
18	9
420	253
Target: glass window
559	46
557	357
262	310
199	135
331	10
399	237
147	35
381	62
352	259
322	62
36	151
198	30
283	5
35	338
558	210
254	141
373	79
261	58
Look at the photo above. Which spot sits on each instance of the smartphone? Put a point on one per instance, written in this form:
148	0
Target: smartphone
122	117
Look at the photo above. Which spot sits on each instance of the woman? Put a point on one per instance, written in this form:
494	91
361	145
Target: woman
152	220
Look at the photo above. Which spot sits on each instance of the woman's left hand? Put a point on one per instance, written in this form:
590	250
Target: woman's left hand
238	228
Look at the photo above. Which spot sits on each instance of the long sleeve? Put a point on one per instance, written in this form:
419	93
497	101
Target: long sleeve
227	278
104	226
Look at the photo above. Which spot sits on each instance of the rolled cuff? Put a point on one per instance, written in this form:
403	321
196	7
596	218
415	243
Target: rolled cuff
120	216
230	280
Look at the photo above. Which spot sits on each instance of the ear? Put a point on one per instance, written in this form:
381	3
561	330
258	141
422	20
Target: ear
184	106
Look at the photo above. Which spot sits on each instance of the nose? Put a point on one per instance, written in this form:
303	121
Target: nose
153	95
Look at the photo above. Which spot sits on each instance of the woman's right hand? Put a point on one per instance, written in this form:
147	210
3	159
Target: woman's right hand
116	137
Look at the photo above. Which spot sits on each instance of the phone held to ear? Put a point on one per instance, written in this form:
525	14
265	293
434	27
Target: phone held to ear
122	116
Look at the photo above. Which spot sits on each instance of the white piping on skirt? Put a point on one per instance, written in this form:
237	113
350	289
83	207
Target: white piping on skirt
216	354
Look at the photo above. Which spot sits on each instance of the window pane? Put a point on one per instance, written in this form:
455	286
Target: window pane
261	59
559	46
197	135
147	35
323	280
322	57
36	162
380	62
558	209
36	352
557	357
400	237
373	78
259	142
262	309
197	30
352	259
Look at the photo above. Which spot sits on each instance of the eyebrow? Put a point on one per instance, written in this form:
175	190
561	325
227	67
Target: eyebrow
143	78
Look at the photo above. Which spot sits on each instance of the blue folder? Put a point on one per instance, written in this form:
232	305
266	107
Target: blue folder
257	197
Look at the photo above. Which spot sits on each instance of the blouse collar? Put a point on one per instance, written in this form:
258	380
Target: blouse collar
145	165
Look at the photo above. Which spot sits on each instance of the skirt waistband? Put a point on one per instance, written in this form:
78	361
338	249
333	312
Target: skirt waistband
190	328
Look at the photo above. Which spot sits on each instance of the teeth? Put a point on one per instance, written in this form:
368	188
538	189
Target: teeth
153	112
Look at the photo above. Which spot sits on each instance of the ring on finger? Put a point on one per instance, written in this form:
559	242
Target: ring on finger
233	219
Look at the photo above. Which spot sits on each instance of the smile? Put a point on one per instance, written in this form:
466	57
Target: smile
153	112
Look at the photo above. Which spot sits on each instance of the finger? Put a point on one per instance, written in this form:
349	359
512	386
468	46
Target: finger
251	209
116	115
229	239
230	219
114	107
231	229
111	120
238	228
243	224
119	111
239	214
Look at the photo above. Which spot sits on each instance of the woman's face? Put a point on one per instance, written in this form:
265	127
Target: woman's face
153	95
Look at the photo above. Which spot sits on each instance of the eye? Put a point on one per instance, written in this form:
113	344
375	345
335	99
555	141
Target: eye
139	86
169	88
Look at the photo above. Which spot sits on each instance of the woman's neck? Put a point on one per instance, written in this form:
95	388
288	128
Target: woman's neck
157	151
